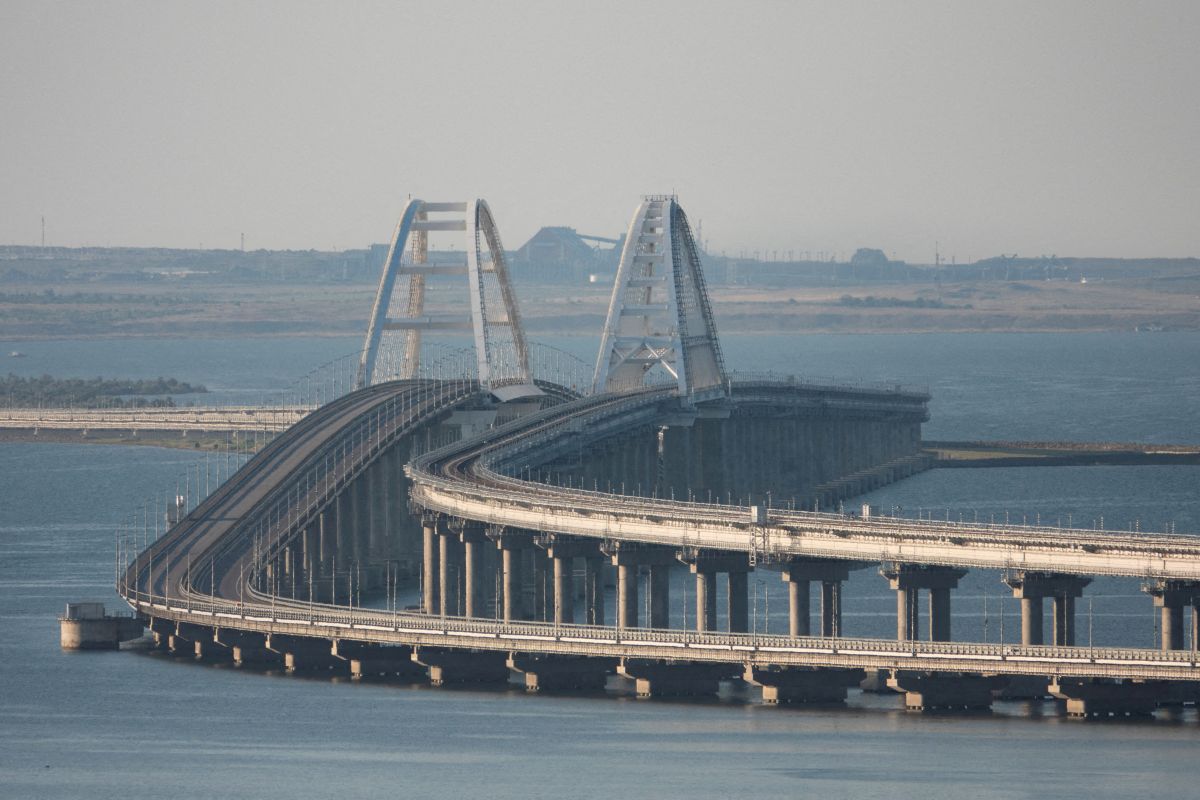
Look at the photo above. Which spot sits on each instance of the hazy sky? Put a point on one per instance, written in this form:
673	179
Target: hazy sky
1040	127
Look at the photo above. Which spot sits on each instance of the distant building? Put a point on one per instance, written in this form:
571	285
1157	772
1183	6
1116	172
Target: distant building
562	255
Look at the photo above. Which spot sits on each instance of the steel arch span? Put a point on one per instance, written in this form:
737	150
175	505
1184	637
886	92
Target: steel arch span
400	317
659	319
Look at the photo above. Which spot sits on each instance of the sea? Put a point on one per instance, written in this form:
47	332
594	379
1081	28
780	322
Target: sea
136	724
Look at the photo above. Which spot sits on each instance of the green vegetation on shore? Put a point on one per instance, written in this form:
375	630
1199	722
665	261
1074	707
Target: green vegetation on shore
92	392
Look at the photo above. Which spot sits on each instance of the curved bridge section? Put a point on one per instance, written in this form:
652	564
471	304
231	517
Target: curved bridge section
245	573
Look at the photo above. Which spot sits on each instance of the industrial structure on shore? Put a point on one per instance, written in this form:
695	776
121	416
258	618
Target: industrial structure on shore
509	498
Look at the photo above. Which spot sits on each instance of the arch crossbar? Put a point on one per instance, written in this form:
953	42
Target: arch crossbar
659	319
400	317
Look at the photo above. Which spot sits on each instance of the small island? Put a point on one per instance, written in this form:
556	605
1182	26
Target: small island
49	392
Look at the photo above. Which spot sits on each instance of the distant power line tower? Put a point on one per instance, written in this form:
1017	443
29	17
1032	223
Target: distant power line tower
487	308
660	323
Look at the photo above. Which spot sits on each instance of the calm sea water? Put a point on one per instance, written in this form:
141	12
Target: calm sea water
136	724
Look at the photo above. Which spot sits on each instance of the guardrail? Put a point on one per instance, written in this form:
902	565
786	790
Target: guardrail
266	613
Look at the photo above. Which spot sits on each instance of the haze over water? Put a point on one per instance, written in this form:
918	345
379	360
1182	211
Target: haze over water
141	725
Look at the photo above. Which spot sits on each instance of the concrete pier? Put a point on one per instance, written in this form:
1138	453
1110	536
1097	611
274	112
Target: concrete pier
474	539
450	556
1171	598
562	552
628	559
512	544
662	679
86	626
706	601
943	691
562	674
908	580
430	570
1032	588
593	590
1085	698
447	667
300	654
370	661
799	573
802	686
705	564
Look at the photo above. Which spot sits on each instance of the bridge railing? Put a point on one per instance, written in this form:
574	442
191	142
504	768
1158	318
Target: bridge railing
503	481
329	621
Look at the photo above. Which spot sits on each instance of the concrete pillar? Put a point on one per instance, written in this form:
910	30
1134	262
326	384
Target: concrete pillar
627	596
564	595
543	576
450	574
736	610
473	541
908	580
362	520
593	590
798	606
706	601
939	614
326	538
799	573
1033	587
660	598
907	620
831	608
627	559
1171	597
1064	620
1172	627
1031	621
511	585
430	592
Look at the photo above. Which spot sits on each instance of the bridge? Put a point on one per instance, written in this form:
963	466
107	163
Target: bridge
489	491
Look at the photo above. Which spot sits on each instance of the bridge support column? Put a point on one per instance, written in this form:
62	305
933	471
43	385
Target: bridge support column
627	595
430	571
908	620
562	551
449	570
1031	588
908	580
474	538
564	595
831	609
543	586
1171	597
704	564
593	590
706	601
627	559
512	543
361	492
798	574
660	597
737	611
799	613
1031	620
